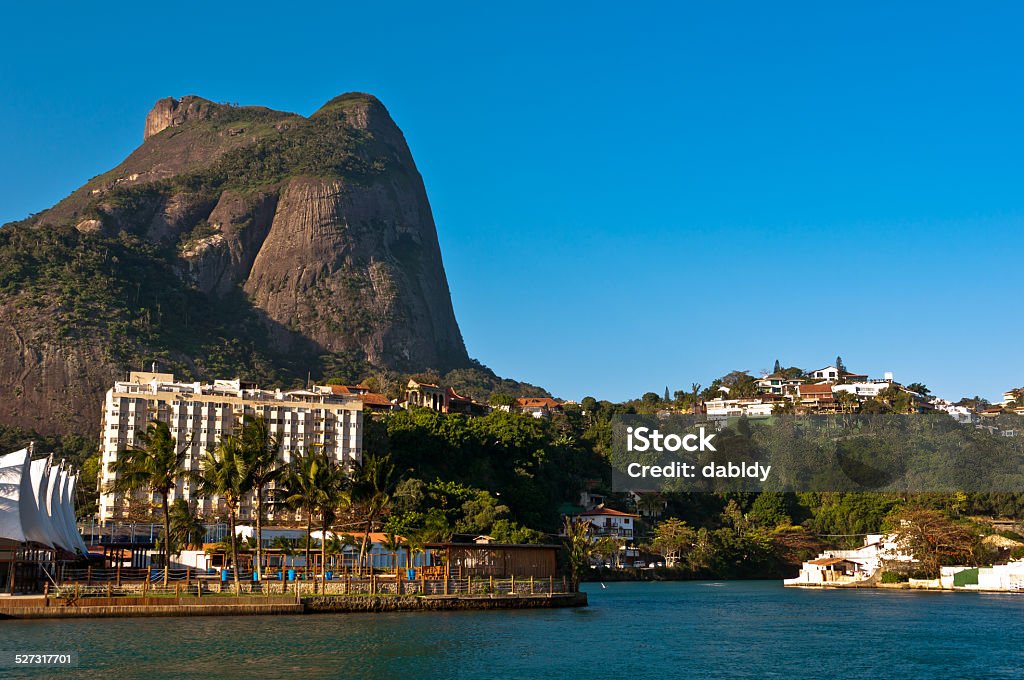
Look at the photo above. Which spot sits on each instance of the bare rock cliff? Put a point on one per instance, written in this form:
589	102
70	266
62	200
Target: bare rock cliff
286	239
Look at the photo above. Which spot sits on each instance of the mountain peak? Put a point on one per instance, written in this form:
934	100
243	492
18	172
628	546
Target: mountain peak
170	112
305	243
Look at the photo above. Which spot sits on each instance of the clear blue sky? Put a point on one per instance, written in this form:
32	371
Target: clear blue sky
628	196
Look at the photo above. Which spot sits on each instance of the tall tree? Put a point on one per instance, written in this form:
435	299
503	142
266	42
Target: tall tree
261	453
371	492
667	399
222	474
331	484
840	367
932	538
919	388
778	368
154	464
579	546
671	538
299	489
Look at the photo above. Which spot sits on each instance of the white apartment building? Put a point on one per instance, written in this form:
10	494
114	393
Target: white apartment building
199	415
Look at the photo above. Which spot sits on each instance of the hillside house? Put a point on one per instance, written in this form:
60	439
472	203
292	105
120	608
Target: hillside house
538	407
833	374
817	398
777	383
610	523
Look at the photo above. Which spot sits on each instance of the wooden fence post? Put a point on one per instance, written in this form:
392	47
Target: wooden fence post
88	576
531	585
118	568
551	584
512	587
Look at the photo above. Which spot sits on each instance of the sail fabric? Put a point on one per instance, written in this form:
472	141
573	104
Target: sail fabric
53	500
40	473
33	521
12	469
72	518
61	512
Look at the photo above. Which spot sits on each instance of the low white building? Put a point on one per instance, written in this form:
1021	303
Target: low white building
738	407
999	577
863	390
851	566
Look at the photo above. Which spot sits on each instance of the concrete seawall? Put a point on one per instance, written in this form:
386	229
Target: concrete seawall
31	608
406	603
128	611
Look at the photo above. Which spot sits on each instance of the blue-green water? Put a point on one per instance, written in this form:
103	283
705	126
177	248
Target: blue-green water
631	630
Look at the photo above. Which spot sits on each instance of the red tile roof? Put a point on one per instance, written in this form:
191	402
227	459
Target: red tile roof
374	399
827	561
537	402
598	512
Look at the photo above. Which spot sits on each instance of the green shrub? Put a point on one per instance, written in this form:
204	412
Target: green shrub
892	577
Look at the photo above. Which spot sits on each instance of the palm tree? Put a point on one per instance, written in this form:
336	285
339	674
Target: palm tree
393	544
338	544
371	486
187	529
298	490
315	484
579	545
155	464
260	449
332	487
222	473
651	504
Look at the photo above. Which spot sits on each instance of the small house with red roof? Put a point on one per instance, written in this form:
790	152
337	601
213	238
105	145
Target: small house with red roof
611	523
538	407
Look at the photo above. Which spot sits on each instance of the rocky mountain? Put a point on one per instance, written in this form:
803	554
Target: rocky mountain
234	240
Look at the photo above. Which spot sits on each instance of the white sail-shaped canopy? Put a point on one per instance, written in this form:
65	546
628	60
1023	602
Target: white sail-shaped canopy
53	501
61	513
37	503
12	469
70	519
34	520
40	474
